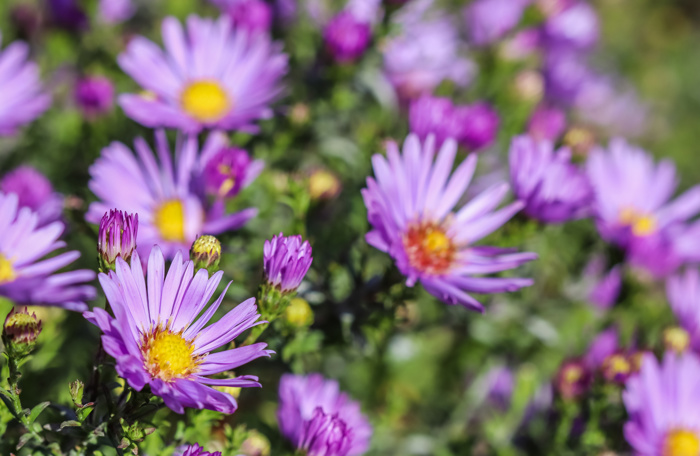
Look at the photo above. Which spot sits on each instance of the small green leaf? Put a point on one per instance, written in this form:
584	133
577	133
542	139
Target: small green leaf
69	423
36	411
23	440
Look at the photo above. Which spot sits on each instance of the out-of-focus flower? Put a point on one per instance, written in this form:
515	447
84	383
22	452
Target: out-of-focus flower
299	313
676	339
67	14
190	87
314	415
194	450
580	140
23	98
346	37
115	11
286	261
432	115
490	20
566	73
254	16
255	444
157	339
604	345
683	292
228	170
116	238
606	290
576	26
529	86
323	185
206	253
20	331
522	45
94	95
573	379
35	192
660	402
547	123
477	125
500	384
617	368
410	207
553	189
612	105
171	213
25	278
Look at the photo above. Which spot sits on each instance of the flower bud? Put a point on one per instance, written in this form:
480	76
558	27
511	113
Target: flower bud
206	253
20	331
117	238
676	339
573	379
286	262
616	368
323	185
347	37
255	444
94	95
299	313
76	392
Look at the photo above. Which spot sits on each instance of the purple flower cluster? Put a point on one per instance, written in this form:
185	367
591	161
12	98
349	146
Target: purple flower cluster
286	261
34	191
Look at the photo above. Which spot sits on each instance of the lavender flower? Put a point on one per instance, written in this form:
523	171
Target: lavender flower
566	73
490	20
576	26
553	189
116	238
25	277
254	16
157	339
286	261
34	191
432	115
116	11
660	402
347	37
683	291
94	95
547	123
171	212
315	416
477	125
410	207
23	98
190	87
228	170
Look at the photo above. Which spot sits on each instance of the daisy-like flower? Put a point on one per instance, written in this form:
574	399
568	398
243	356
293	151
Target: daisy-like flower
171	211
683	291
317	417
35	192
157	339
25	277
661	402
210	76
22	97
411	207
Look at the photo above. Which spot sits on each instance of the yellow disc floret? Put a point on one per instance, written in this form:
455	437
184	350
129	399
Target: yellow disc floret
168	355
681	443
169	218
206	101
7	272
640	223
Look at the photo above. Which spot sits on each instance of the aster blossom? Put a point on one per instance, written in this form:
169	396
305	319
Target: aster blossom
171	207
34	191
116	237
157	339
661	402
211	76
411	207
286	261
554	189
25	277
23	97
314	415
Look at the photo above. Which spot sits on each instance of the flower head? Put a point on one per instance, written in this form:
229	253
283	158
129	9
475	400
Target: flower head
255	16
116	11
194	450
573	379
490	20
576	26
25	277
286	261
23	98
117	237
432	115
20	331
547	123
229	170
157	339
554	189
347	37
660	402
477	125
191	87
315	416
171	211
411	207
34	191
94	95
206	252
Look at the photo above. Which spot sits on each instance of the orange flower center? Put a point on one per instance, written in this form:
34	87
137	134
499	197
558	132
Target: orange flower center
429	249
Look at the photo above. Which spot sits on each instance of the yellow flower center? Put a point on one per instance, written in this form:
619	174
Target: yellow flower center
573	374
681	443
429	249
641	224
617	365
167	355
170	220
206	101
7	272
676	339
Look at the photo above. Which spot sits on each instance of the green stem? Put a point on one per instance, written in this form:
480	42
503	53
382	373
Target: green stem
255	333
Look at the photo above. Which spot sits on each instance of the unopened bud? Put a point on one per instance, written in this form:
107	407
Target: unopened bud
206	253
255	444
299	313
323	185
117	238
76	392
20	331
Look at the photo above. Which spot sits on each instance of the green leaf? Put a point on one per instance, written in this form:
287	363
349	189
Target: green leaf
69	423
23	440
36	411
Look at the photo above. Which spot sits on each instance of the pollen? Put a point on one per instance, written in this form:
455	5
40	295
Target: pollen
169	218
640	223
681	443
168	355
429	249
7	272
206	100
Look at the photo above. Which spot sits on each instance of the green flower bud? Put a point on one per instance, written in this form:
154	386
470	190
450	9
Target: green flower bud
255	444
206	253
299	313
20	332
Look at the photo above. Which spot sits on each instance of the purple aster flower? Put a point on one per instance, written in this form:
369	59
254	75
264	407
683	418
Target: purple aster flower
573	379
477	125
490	20
547	123
228	170
26	277
683	291
664	251
286	261
255	16
432	115
346	37
411	207
94	95
117	237
22	98
661	402
210	76
576	26
632	196
157	339
566	72
116	11
34	191
317	417
171	213
194	450
553	189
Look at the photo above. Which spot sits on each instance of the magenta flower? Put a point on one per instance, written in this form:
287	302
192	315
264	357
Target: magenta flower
34	191
210	77
490	20
433	115
477	125
195	450
553	189
347	37
683	291
286	261
228	170
22	97
316	417
171	212
157	339
94	95
117	237
26	276
661	404
411	207
255	16
547	123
